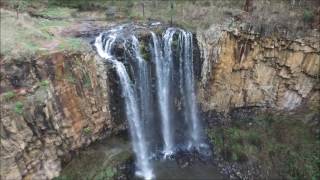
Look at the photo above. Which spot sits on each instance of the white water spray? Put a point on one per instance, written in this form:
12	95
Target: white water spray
140	148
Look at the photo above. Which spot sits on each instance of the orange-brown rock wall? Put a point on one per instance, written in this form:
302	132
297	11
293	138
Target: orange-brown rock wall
245	70
60	103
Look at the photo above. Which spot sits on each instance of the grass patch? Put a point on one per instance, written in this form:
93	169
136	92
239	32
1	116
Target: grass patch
28	36
71	44
51	23
284	144
57	12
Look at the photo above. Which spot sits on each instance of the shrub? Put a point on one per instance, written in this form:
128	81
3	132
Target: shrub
308	16
44	83
71	79
18	108
87	130
144	50
106	174
9	95
86	81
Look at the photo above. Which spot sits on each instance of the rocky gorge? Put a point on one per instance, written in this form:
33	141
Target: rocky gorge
56	105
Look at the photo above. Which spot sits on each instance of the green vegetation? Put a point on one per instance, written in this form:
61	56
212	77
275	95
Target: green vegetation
87	130
241	143
25	35
18	5
284	144
175	42
86	81
308	16
28	36
71	44
44	83
145	52
18	108
57	12
106	174
99	161
70	78
62	178
9	95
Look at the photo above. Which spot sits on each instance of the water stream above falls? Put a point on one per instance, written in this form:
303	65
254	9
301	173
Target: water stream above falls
155	70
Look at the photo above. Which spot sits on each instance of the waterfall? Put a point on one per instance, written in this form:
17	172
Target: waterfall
139	93
163	70
187	89
132	110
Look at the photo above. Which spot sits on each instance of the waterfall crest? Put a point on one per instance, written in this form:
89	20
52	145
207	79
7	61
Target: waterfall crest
149	86
131	105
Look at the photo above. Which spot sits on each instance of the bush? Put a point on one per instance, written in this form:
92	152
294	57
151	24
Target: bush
18	108
71	79
86	81
308	16
145	52
44	83
106	174
87	130
9	95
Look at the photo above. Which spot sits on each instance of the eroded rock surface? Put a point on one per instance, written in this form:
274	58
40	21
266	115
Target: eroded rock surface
245	70
57	104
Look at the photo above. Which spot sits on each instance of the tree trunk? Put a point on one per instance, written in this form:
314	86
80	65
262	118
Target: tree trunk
142	9
248	6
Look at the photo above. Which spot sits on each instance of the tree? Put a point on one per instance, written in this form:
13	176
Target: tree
171	11
248	6
142	4
18	6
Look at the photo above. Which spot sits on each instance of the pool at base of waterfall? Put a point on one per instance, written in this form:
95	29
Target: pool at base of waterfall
112	158
171	170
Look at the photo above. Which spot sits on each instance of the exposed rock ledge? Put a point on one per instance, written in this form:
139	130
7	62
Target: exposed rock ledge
245	70
58	104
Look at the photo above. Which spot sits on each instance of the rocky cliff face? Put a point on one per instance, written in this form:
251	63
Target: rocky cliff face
245	70
56	104
50	107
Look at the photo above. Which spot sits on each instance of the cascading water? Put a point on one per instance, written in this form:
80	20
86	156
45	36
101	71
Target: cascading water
139	92
163	70
136	128
187	88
